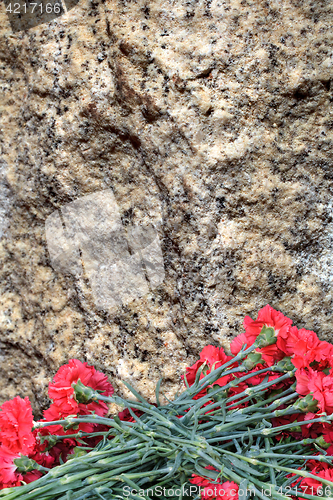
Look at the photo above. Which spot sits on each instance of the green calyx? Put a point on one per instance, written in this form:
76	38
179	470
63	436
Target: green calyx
306	404
285	364
266	337
78	452
252	360
320	441
83	394
50	439
25	464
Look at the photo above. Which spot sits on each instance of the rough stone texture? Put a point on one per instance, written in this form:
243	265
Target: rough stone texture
219	112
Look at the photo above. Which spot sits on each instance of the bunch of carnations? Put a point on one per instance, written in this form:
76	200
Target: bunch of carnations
252	424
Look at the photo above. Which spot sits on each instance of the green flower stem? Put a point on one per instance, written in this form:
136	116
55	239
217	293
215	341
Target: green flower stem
265	431
320	458
151	410
276	430
232	406
114	473
74	420
130	496
272	398
278	467
36	489
253	390
215	375
105	462
134	475
274	462
81	434
223	428
303	442
32	490
258	388
186	442
302	473
275	404
249	393
238	479
83	491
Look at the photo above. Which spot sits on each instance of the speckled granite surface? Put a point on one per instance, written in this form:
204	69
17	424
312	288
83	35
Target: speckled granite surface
217	112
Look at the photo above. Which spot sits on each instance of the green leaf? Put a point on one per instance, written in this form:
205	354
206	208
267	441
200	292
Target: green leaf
136	394
157	391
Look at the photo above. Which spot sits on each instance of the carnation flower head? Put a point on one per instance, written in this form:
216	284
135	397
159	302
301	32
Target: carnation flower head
328	434
305	347
318	384
321	387
16	422
213	357
61	390
303	378
269	317
314	486
215	491
9	476
307	350
238	342
55	412
126	415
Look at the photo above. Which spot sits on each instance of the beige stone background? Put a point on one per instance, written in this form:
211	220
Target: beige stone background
219	112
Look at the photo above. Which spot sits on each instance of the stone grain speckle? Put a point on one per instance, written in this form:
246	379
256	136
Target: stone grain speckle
218	114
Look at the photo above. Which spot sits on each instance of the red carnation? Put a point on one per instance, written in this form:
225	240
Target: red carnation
216	491
287	339
258	378
321	386
9	475
214	357
16	423
59	451
61	390
328	434
318	384
238	342
314	486
269	317
126	415
56	412
303	378
305	348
